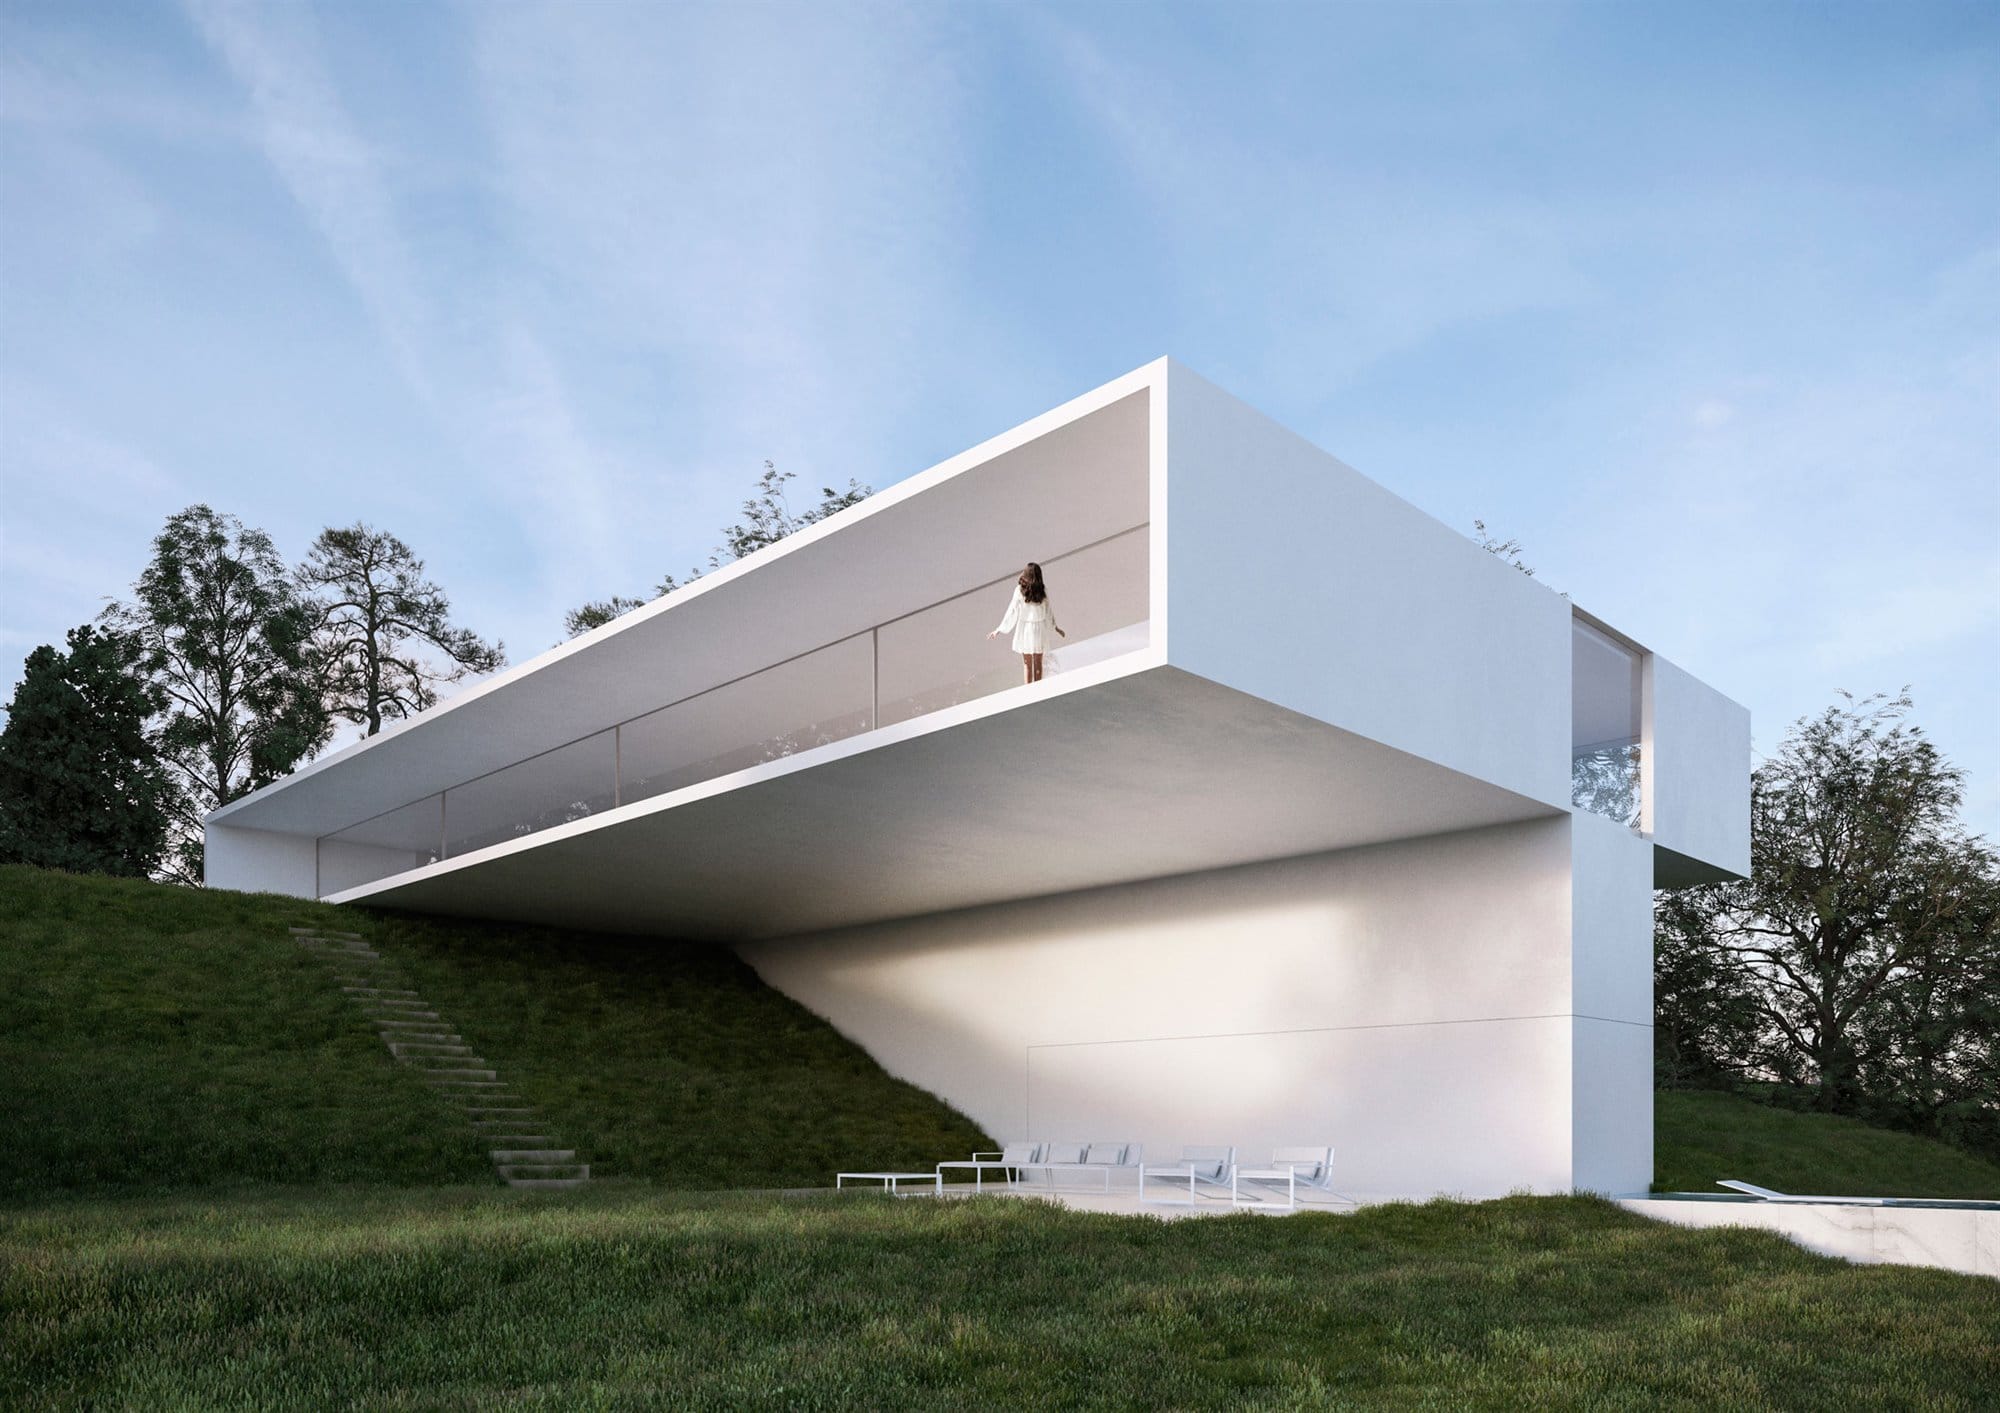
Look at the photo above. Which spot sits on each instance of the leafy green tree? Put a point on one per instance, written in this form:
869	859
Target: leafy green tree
226	638
385	638
1857	940
597	613
81	787
767	518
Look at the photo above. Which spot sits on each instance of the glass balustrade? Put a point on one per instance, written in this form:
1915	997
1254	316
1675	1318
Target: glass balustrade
940	656
556	787
814	700
395	842
922	662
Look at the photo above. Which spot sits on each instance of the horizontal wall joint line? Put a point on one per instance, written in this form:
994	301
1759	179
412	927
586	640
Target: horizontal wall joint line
1325	1030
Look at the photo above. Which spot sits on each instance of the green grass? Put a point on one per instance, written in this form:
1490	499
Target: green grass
627	1297
1700	1138
160	1037
671	1061
156	1037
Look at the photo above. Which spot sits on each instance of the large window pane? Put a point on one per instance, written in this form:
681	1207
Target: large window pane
1606	683
822	697
553	788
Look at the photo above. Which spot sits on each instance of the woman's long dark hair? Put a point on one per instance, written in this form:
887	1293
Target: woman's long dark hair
1031	584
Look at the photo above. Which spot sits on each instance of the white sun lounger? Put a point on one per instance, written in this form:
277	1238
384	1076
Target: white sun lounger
1101	1158
1198	1165
1011	1160
1293	1168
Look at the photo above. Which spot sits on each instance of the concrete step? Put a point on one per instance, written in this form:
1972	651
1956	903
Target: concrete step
535	1157
522	1173
430	1049
382	1018
382	993
396	1020
389	1005
583	1181
458	1076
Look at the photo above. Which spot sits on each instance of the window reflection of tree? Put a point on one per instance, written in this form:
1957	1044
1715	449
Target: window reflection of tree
1605	780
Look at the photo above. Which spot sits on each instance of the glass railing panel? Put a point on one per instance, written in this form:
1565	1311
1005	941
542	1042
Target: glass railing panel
390	843
556	787
813	700
1606	687
940	656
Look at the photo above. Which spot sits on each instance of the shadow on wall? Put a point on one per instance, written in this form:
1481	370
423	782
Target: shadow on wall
1377	989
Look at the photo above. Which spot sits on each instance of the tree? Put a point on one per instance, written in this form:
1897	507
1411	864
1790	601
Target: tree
81	787
1509	550
1869	914
377	616
767	518
225	637
597	613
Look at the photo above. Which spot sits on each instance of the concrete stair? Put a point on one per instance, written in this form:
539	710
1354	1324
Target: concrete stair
415	1034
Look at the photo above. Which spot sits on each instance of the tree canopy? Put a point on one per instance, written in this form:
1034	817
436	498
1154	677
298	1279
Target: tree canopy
384	638
767	518
225	638
1861	959
81	787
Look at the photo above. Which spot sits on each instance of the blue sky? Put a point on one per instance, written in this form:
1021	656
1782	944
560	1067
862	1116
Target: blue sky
1699	301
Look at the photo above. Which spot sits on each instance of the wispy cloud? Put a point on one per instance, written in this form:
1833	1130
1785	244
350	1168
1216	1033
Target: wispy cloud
479	371
761	197
306	133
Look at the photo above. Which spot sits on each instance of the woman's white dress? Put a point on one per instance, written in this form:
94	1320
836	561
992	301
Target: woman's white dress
1034	624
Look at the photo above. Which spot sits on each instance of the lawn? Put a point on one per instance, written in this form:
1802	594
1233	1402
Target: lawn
1699	1138
626	1296
160	1037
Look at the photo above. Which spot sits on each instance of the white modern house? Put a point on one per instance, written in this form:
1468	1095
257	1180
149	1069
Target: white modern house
1328	826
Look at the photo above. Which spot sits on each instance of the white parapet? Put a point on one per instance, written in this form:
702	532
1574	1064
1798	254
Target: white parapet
1965	1239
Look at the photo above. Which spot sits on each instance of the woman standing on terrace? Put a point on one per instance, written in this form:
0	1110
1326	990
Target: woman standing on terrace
1032	618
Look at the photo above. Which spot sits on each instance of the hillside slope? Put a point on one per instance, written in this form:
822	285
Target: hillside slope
159	1037
1700	1138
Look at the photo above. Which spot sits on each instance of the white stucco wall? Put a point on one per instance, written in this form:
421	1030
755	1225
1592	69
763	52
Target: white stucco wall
258	861
1611	994
1293	577
1699	776
1410	1003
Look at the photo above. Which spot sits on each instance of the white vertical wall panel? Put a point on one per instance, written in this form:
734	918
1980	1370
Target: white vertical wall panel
1611	922
1293	577
1700	772
258	861
1410	1110
1407	1002
1611	1107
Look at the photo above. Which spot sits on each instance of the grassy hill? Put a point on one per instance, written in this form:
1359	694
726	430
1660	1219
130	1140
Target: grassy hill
625	1296
158	1037
1700	1138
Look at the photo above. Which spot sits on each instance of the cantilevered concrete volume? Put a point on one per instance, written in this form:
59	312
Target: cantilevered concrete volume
1326	826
